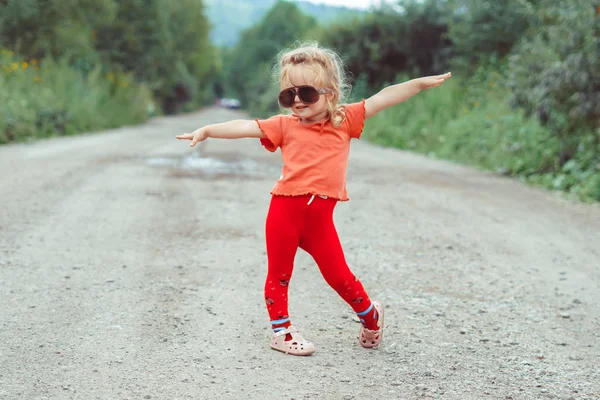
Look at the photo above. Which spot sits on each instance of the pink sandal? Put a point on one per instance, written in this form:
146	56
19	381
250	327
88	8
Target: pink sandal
369	338
298	346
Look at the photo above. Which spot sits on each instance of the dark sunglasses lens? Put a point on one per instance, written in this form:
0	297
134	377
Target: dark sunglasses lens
286	97
308	94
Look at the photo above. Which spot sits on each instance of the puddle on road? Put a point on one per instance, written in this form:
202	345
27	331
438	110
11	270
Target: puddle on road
215	166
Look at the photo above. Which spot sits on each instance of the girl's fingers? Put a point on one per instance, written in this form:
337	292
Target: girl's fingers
436	82
187	136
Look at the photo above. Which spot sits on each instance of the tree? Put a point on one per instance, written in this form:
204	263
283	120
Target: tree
249	72
388	42
484	30
163	43
39	28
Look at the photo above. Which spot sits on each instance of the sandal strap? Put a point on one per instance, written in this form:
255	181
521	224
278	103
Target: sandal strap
290	329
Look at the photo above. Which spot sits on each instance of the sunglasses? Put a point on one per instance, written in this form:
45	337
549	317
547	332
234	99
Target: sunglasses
307	95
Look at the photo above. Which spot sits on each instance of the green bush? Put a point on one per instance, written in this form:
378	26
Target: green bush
471	122
161	43
47	98
554	74
417	124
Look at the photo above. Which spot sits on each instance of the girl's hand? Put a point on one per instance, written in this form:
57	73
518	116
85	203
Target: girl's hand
396	94
197	136
429	82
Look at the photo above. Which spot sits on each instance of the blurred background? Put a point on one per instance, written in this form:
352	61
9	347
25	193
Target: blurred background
524	100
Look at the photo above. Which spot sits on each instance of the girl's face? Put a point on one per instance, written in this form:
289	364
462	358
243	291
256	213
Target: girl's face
299	75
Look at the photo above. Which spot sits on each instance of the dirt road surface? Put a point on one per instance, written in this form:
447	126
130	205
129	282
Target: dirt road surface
132	267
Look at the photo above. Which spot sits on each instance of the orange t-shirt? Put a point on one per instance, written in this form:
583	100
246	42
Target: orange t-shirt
315	156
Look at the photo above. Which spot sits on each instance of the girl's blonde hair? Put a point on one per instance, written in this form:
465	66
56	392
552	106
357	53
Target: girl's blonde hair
329	71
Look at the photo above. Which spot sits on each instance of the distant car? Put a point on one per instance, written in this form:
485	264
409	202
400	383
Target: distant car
230	103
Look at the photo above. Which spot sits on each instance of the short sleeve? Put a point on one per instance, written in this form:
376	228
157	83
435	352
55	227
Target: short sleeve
355	119
273	130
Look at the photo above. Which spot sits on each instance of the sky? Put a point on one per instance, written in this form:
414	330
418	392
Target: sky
364	4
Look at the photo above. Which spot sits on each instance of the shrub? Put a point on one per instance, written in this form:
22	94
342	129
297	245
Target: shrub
554	74
48	98
472	122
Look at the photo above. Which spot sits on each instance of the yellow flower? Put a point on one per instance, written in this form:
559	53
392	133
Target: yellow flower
24	65
36	78
14	66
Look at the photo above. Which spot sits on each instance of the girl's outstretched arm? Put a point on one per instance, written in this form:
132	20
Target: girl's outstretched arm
236	129
403	91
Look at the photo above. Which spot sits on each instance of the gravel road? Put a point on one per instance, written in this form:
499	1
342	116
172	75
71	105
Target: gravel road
132	267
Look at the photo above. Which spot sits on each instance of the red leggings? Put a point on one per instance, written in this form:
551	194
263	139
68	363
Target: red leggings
291	223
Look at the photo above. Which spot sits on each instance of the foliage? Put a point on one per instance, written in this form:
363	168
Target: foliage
162	43
471	122
40	28
47	98
483	30
387	42
251	60
554	73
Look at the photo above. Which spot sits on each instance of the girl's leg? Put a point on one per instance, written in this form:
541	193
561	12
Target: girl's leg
282	236
320	239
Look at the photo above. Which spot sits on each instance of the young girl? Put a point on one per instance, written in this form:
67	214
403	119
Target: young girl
314	141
